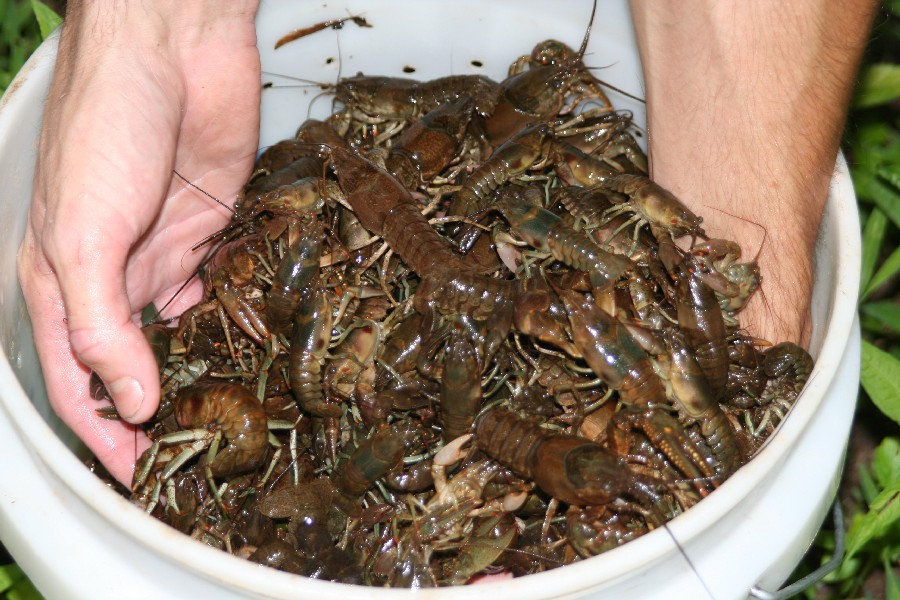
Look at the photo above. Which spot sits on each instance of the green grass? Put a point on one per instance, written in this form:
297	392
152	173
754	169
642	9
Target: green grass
870	490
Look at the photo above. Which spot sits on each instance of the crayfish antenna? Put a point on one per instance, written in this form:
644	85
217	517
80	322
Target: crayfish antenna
204	192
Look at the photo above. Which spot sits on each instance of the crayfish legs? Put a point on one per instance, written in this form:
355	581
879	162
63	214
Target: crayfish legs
544	230
510	160
654	205
240	416
788	367
540	93
232	283
448	282
569	468
613	354
696	399
383	98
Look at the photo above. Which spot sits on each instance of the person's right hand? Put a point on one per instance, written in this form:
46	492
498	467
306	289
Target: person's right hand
140	89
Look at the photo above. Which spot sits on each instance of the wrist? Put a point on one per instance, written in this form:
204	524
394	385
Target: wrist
158	23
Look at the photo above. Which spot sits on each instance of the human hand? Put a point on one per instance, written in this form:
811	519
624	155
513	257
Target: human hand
746	105
140	90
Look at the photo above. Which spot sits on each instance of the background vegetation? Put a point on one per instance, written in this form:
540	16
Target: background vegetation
870	490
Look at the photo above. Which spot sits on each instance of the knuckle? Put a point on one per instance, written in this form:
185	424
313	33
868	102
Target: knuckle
92	346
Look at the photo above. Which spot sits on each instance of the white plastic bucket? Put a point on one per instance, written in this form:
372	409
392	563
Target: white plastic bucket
77	539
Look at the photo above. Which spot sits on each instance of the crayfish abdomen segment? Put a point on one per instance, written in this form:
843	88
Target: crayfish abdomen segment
572	469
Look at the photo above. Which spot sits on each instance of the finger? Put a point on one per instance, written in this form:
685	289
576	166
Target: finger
116	444
89	264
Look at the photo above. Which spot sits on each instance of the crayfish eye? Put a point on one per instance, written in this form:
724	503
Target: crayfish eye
350	89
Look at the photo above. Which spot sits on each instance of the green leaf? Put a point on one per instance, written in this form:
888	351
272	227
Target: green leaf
867	486
879	84
848	569
883	513
886	312
891	583
889	557
890	173
889	268
886	462
872	242
880	378
9	575
47	19
871	188
871	327
24	590
884	505
874	144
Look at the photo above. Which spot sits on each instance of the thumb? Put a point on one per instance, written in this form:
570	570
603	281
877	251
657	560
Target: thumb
118	355
102	332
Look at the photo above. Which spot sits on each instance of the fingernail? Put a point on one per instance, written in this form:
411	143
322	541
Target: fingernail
128	396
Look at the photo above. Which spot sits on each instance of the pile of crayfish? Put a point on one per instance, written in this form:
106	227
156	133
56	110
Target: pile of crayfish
456	329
